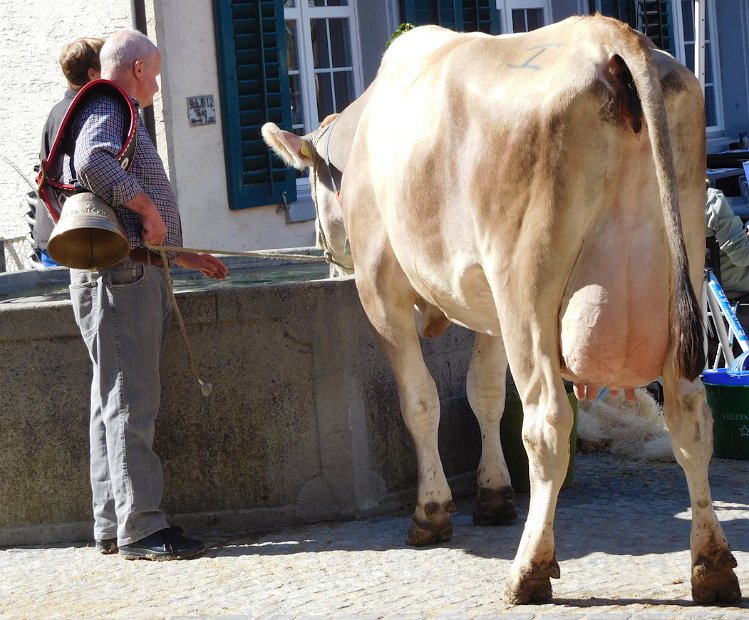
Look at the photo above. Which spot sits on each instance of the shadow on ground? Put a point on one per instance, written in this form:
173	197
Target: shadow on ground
614	506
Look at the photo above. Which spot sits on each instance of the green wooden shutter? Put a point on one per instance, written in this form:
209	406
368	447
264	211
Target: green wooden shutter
461	15
655	20
653	17
254	82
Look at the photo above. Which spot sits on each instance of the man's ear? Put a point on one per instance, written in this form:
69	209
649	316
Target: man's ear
139	67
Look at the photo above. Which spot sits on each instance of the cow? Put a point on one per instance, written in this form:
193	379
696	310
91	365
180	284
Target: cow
546	191
325	152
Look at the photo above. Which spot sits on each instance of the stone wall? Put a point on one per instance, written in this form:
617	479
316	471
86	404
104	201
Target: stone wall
303	423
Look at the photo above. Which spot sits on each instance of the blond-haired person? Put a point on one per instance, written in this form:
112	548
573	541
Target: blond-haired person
80	64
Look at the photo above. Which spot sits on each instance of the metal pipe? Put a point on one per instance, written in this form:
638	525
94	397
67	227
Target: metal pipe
138	13
699	41
727	311
720	327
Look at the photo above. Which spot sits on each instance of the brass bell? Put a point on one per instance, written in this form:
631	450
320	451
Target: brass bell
88	234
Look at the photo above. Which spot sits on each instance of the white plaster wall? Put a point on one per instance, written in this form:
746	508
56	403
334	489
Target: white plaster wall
184	32
32	34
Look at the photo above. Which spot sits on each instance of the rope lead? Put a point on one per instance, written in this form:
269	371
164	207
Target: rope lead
205	388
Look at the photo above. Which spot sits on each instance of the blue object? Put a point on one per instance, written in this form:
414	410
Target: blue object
726	376
47	260
725	307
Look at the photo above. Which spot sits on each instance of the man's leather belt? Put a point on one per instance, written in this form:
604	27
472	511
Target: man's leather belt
144	255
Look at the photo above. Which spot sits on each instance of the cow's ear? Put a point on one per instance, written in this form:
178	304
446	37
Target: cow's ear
295	151
328	119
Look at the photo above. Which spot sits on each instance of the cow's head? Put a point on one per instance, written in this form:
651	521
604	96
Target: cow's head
300	152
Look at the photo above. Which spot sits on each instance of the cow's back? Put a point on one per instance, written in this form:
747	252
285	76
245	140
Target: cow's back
473	131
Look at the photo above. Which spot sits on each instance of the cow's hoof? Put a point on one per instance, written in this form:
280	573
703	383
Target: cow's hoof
495	507
529	591
431	524
714	582
532	587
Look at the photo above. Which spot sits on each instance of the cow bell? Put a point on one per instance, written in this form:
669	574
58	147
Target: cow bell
88	234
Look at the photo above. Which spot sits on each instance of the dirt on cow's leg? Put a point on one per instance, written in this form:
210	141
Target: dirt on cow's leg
533	587
431	524
690	423
713	580
495	507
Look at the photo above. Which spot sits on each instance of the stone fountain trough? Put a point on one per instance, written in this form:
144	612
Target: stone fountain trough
302	425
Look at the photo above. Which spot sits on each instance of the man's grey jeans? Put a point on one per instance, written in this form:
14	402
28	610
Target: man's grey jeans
123	313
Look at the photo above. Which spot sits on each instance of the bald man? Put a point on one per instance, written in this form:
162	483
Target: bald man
124	311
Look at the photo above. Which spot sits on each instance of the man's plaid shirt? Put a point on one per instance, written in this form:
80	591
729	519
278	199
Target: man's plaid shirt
98	131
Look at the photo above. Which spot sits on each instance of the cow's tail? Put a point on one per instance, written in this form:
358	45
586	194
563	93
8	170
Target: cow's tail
685	319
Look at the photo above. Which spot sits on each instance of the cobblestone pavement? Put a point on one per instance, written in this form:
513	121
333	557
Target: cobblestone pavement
622	534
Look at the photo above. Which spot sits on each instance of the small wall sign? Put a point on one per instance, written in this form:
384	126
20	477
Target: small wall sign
201	110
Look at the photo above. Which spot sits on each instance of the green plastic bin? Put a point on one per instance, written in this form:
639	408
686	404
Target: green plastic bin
728	397
510	433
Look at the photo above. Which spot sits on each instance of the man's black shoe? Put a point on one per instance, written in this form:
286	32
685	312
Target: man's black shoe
106	546
166	544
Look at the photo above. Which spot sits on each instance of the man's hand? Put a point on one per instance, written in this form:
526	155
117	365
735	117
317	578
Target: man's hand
154	229
207	264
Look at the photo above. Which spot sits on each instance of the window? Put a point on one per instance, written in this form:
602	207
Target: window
652	17
323	53
292	62
670	24
685	36
523	15
461	15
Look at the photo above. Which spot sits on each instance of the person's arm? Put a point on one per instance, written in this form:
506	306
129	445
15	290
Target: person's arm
728	229
154	228
46	141
97	144
207	264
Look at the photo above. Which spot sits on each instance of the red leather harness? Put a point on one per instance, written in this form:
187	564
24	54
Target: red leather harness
50	186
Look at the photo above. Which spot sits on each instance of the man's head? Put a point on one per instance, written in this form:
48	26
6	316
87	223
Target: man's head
130	59
79	61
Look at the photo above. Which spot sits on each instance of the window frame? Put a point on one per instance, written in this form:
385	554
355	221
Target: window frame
714	59
303	15
505	8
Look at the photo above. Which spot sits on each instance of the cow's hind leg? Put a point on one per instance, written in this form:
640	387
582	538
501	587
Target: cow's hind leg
495	503
547	423
690	424
388	299
532	351
420	408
